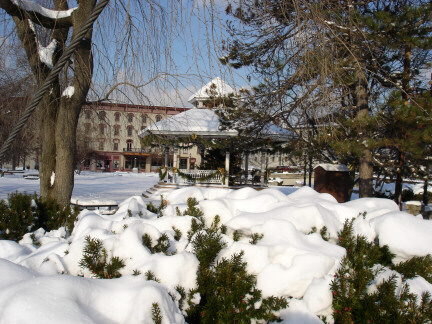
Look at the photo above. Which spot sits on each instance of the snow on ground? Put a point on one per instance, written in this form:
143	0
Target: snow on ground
44	284
116	186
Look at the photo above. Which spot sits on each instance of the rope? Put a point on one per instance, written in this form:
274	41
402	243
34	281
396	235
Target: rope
37	97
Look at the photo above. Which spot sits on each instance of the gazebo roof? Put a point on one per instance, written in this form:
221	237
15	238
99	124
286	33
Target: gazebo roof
205	122
201	122
216	87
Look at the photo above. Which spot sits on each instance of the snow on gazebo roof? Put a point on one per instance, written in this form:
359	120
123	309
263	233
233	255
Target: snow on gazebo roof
201	122
216	87
205	123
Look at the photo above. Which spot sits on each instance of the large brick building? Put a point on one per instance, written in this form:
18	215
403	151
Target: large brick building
108	137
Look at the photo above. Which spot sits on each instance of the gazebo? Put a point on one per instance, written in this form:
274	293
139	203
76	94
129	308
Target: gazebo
204	123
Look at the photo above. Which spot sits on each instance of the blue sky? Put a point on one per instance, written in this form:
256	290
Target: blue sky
178	63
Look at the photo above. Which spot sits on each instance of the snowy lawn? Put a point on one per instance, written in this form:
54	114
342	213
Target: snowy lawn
44	284
116	186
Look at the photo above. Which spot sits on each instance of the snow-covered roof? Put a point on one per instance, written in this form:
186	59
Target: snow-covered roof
205	122
201	122
334	167
216	87
276	133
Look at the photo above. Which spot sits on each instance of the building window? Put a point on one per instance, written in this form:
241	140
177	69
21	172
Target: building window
185	149
144	119
101	145
101	129
88	114
102	115
158	118
116	129
130	118
117	116
183	164
116	164
116	145
129	130
129	145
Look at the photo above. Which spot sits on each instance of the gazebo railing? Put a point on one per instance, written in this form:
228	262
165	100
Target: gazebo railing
196	176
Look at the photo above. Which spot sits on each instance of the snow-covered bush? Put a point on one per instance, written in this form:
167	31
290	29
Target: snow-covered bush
226	292
95	258
369	288
23	213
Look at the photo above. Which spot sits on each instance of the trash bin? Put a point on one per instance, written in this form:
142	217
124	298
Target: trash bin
334	179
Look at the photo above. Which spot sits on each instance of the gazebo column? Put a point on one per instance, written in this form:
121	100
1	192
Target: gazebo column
227	167
246	166
263	158
175	162
166	162
175	157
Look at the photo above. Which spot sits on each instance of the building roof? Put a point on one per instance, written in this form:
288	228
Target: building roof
216	88
334	167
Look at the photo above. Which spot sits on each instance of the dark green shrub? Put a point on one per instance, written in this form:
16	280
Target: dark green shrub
228	293
162	245
416	266
156	314
351	301
157	210
17	216
151	276
192	209
255	238
50	215
407	194
24	213
95	259
177	233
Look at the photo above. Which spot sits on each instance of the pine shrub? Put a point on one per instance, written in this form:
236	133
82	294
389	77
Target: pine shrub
177	233
95	259
388	304
151	276
156	314
162	245
16	216
50	215
158	210
227	292
416	266
192	209
24	213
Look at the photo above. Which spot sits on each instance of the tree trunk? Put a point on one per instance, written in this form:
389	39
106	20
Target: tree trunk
58	115
70	108
47	161
362	119
405	96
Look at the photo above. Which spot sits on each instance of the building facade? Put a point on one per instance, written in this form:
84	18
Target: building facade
107	139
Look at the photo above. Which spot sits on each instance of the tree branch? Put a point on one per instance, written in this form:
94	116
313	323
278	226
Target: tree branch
42	16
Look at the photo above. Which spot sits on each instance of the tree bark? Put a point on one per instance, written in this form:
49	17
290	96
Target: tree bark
405	96
70	108
362	119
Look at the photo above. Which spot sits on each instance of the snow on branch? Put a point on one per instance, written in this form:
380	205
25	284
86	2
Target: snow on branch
37	8
48	18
